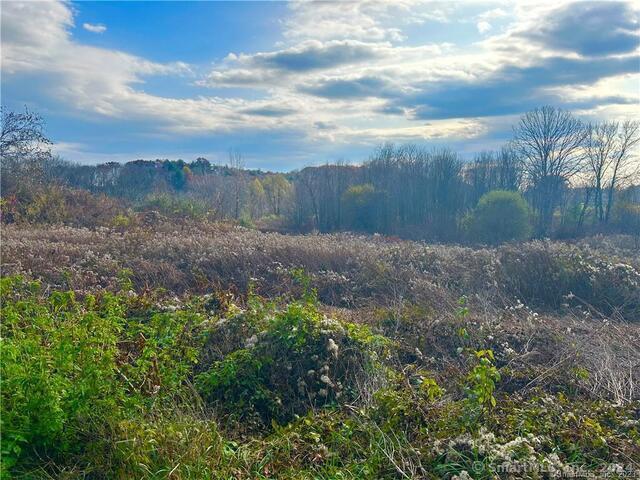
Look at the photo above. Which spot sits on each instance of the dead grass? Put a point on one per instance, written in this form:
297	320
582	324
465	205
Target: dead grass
348	271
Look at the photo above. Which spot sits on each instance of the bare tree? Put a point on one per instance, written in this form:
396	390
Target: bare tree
307	198
480	175
625	164
550	142
22	134
600	146
236	163
509	168
501	170
24	149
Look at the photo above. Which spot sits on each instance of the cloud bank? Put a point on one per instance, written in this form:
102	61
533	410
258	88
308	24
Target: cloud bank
350	72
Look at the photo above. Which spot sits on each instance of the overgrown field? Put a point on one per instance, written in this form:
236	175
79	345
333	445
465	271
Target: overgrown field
348	271
213	351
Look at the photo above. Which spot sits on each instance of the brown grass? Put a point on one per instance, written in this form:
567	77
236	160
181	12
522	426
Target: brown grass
348	271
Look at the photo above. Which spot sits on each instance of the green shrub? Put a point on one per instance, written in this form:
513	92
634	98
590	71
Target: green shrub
58	371
500	216
481	382
121	221
72	369
289	361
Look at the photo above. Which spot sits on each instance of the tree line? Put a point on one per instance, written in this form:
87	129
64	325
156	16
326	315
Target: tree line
575	177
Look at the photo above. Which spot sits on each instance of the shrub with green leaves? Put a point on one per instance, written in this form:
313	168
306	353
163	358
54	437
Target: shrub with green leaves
481	382
290	360
59	373
72	368
500	216
102	386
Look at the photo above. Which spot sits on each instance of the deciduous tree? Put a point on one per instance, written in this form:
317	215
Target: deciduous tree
550	142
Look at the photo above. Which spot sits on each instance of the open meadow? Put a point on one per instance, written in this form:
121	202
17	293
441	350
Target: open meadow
209	350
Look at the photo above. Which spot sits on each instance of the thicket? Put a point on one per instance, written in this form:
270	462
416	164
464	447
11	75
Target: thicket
348	271
121	385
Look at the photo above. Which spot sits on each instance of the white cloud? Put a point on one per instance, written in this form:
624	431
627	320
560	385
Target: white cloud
36	41
484	20
483	26
441	129
354	46
493	14
312	59
95	28
365	20
339	20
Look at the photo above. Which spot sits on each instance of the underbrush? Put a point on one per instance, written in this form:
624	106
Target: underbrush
72	369
119	384
348	271
272	365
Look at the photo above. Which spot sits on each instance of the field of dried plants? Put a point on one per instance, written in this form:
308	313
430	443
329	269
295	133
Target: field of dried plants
599	273
437	357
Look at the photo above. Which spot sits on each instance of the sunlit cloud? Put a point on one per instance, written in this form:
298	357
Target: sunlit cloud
95	28
483	26
346	72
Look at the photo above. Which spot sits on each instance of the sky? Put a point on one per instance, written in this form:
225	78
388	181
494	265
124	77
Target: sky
302	83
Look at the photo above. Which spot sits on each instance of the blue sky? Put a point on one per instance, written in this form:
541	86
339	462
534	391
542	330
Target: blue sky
292	84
